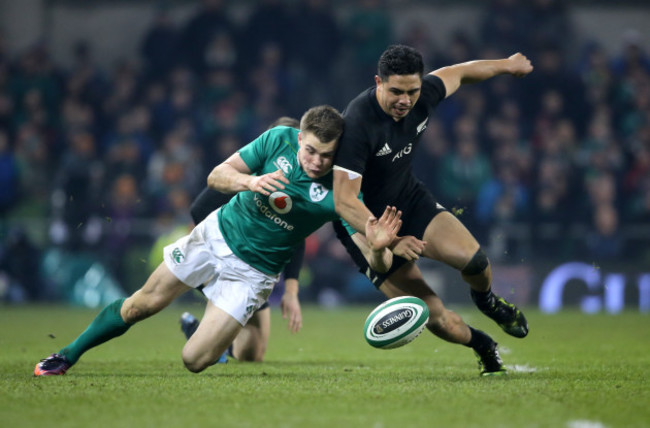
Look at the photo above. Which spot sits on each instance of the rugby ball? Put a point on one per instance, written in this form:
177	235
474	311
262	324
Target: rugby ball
396	322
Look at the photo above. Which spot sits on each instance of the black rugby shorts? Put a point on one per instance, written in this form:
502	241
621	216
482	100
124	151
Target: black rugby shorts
418	208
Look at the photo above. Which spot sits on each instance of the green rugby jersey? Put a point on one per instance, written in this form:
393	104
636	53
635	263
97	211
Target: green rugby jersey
264	230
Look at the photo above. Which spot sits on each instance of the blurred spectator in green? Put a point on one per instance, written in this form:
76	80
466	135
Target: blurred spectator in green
35	167
36	88
463	172
368	31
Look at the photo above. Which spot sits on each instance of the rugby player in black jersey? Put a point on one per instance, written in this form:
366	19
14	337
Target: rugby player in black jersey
251	342
382	128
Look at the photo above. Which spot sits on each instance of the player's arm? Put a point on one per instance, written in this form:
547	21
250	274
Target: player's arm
476	71
290	305
206	202
379	234
233	175
346	201
350	208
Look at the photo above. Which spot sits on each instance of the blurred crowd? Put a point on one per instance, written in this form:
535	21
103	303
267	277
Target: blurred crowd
555	165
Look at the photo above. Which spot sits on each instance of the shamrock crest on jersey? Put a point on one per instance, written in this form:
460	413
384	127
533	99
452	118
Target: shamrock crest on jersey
317	192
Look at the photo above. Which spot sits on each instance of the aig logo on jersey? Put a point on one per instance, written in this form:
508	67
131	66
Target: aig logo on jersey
280	202
317	192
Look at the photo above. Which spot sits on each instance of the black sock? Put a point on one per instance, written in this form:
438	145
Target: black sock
483	299
479	340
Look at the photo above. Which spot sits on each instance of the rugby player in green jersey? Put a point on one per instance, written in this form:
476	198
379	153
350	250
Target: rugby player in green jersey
283	181
252	341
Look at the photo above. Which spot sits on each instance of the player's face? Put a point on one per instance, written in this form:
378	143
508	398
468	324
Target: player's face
315	157
398	94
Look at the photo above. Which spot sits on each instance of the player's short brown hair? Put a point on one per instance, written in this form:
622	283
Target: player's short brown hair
324	121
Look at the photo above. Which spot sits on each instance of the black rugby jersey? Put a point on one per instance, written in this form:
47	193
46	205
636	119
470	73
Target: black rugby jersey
381	149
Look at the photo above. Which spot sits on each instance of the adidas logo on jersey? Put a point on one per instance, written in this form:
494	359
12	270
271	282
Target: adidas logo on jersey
384	150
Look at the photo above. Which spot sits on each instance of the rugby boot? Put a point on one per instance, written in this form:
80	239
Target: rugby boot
189	324
505	314
55	364
489	362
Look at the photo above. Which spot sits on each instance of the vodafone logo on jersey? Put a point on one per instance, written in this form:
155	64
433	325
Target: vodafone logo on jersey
280	202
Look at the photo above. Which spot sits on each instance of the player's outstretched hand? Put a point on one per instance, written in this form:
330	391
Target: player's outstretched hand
381	232
408	247
268	183
291	312
519	65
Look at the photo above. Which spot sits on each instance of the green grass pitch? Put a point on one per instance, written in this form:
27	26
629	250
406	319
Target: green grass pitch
573	370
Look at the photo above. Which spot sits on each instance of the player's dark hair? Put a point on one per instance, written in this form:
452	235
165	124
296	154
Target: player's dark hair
325	122
286	121
399	60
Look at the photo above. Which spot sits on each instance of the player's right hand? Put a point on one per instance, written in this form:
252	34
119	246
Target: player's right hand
290	306
268	183
408	247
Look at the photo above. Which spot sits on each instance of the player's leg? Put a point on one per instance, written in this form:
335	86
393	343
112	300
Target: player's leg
158	292
251	342
449	241
215	333
444	323
234	294
160	289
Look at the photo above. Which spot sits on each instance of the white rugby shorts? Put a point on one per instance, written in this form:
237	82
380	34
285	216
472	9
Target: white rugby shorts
203	257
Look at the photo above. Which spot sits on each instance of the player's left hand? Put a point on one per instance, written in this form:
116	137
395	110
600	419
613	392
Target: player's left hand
381	232
408	247
519	65
291	311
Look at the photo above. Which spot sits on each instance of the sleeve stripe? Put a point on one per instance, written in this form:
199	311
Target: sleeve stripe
352	175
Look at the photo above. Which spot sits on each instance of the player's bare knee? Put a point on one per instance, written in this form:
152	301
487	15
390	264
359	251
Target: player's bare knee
194	367
193	362
133	313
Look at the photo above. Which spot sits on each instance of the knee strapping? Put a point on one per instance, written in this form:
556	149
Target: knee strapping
477	264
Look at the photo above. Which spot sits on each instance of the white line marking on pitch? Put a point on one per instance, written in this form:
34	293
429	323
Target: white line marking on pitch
585	424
